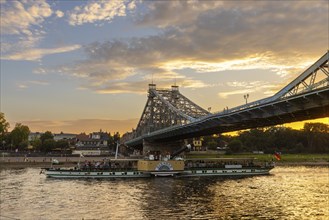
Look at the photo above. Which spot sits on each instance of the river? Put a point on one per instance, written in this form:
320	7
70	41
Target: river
295	192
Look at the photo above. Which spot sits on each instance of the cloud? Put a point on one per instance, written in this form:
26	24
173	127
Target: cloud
18	17
140	87
22	29
240	88
219	31
206	36
225	95
175	13
40	71
27	84
100	11
38	53
59	13
121	67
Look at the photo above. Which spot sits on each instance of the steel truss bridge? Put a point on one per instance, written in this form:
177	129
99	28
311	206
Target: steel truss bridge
168	115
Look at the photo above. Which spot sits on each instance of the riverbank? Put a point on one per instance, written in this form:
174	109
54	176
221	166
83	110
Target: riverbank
286	160
23	162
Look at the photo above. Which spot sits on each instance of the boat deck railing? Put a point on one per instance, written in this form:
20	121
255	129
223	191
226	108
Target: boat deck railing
107	169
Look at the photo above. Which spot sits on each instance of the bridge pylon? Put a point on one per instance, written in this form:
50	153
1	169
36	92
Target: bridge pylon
166	108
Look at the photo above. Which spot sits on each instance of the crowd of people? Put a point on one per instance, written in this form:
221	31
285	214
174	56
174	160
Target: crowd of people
105	164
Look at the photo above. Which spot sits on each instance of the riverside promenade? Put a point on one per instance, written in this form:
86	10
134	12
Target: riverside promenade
23	162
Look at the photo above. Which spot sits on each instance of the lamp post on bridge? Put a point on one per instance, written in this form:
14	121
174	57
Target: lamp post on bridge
246	98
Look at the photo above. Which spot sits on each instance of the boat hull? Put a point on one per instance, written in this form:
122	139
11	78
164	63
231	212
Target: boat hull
226	172
99	174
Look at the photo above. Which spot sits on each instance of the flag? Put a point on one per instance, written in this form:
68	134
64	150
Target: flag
277	156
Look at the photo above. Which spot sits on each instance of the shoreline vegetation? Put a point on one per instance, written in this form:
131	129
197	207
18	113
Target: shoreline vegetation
286	160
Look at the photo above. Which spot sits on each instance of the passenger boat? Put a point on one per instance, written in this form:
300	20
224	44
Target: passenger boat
156	166
128	168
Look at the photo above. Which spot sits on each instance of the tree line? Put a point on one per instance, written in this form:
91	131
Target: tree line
18	139
313	138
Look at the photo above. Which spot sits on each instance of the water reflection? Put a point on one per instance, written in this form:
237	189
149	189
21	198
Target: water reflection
289	193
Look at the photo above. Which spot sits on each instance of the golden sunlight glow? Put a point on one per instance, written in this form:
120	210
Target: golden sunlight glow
259	61
300	124
294	125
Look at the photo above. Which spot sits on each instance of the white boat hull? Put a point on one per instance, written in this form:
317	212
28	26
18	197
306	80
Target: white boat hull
99	174
226	172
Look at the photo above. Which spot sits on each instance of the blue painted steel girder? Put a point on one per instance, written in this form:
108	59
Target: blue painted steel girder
311	105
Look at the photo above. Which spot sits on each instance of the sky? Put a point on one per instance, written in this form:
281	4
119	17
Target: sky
81	66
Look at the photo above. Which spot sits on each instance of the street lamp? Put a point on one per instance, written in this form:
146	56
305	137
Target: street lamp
246	98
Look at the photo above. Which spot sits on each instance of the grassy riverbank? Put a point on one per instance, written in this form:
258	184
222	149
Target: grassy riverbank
302	159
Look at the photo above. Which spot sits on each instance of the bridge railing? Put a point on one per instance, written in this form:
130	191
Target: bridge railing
245	106
321	84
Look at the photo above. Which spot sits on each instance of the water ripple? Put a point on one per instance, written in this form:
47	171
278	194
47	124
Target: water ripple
288	193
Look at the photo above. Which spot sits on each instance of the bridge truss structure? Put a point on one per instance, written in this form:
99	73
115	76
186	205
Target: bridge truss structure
168	115
165	108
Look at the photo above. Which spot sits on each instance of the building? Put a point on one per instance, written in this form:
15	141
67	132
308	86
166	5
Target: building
197	143
95	143
34	136
64	136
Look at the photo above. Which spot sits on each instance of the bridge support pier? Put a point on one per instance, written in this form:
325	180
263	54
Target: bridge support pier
164	147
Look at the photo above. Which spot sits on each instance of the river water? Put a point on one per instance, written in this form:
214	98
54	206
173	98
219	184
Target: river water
288	193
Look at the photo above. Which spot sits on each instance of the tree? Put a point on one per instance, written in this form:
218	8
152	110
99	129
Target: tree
62	144
317	135
254	139
36	143
48	145
212	145
282	139
19	135
209	141
4	126
316	127
45	136
235	145
47	141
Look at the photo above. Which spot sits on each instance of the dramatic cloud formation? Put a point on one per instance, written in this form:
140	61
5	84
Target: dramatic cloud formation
119	67
228	48
207	36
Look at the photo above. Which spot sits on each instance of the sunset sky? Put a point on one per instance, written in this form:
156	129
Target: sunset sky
81	66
